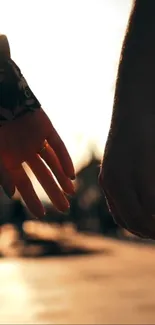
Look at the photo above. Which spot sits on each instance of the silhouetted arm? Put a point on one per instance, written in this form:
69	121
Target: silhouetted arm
136	73
127	174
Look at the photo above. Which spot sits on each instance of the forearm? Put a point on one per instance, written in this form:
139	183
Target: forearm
135	84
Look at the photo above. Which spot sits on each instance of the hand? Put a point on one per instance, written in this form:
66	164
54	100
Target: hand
32	139
127	174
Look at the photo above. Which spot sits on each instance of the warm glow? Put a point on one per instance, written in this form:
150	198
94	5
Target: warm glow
69	51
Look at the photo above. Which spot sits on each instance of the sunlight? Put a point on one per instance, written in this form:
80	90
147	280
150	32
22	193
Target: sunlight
15	293
69	51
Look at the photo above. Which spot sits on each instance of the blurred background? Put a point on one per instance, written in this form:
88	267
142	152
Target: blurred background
79	268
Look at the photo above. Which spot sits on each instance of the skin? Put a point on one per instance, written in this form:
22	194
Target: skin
127	174
22	140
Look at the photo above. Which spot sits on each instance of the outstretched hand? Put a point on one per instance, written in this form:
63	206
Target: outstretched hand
127	175
32	138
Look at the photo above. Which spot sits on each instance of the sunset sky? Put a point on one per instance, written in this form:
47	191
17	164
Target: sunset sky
68	50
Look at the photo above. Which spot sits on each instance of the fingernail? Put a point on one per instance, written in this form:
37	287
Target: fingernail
42	213
73	178
66	210
71	190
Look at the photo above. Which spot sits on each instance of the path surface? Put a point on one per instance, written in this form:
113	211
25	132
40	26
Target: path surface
114	286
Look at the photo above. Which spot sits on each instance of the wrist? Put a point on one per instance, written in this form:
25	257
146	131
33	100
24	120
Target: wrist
16	98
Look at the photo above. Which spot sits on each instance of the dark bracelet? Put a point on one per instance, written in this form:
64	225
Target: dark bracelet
16	97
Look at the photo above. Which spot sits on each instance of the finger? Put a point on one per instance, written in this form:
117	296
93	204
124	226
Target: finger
59	147
27	192
117	218
110	204
132	213
47	181
145	185
126	201
6	181
52	161
113	211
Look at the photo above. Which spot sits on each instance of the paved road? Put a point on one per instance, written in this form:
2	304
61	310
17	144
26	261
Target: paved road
115	285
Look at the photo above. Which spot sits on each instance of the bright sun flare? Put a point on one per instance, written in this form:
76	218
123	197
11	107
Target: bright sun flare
69	52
